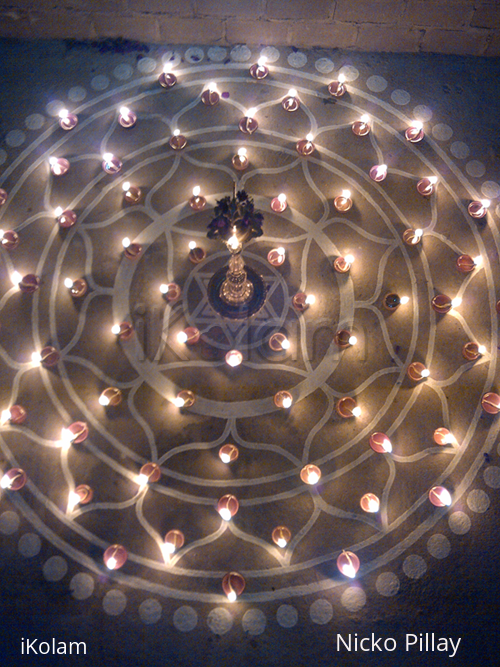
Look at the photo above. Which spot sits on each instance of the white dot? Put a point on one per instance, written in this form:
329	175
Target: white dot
194	55
254	622
172	58
123	71
287	616
475	168
146	65
353	598
400	97
185	619
240	54
422	113
9	523
270	53
99	82
439	546
53	108
29	545
387	584
219	621
414	567
459	523
34	121
77	94
3	156
81	586
55	568
478	501
460	150
490	189
324	65
442	132
114	602
376	84
150	611
350	72
15	138
216	54
297	59
321	611
492	477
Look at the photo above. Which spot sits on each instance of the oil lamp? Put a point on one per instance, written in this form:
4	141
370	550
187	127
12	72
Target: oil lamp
9	239
426	186
348	564
370	503
228	453
177	141
343	264
240	160
442	436
417	371
210	97
3	196
478	209
110	163
126	118
415	132
305	146
248	124
281	535
412	236
228	506
173	541
302	301
283	399
14	479
337	88
171	292
233	358
279	342
310	474
110	396
123	331
115	557
380	443
279	203
362	126
67	120
65	218
197	202
58	165
347	407
233	585
276	256
259	70
184	399
131	193
344	338
82	495
189	336
290	102
16	414
131	250
491	403
378	172
150	473
167	79
343	202
439	496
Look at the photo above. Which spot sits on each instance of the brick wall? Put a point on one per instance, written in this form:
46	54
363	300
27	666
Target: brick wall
438	26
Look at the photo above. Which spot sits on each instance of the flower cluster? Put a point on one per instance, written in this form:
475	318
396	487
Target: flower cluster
237	214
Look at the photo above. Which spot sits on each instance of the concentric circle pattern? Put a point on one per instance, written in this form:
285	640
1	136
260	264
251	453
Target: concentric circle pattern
147	367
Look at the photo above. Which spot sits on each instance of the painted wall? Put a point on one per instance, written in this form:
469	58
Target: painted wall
431	26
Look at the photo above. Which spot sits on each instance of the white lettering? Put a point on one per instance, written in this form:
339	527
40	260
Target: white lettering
44	652
347	646
390	639
455	648
78	644
409	643
30	646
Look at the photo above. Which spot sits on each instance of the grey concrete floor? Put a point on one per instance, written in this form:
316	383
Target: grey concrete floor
454	595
